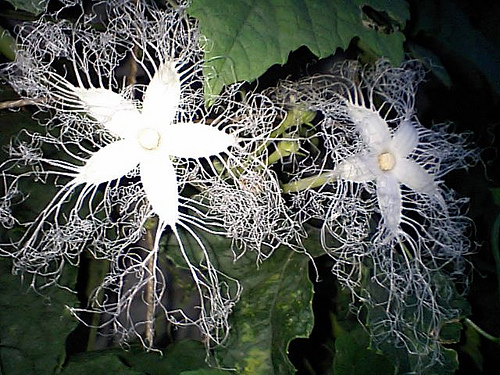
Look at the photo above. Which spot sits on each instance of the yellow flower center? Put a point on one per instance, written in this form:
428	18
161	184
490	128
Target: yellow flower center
386	161
149	139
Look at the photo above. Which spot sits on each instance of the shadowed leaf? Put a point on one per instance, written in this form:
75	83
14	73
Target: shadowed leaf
275	307
33	328
246	37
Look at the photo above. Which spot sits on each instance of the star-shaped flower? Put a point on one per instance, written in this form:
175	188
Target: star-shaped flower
385	160
148	137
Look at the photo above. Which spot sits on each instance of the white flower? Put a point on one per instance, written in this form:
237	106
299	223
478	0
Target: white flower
149	138
94	135
392	227
385	161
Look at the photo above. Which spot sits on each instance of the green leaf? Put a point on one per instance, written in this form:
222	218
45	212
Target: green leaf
31	6
106	362
37	193
449	299
472	347
33	328
353	357
274	309
246	37
449	365
448	30
431	62
178	358
275	306
181	358
204	372
13	121
495	193
450	332
7	44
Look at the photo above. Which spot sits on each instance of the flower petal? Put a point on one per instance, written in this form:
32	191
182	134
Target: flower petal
109	163
373	128
160	183
162	95
358	168
405	139
103	105
195	140
389	200
125	124
415	177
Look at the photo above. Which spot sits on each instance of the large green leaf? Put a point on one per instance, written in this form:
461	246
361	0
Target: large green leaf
448	33
449	299
181	358
204	372
353	356
275	307
33	328
32	6
246	37
107	362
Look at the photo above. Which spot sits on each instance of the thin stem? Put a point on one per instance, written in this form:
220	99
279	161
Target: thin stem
308	182
150	226
486	335
149	242
284	149
405	249
133	69
97	271
20	103
293	117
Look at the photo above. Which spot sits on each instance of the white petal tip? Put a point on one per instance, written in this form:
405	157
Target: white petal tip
160	184
167	72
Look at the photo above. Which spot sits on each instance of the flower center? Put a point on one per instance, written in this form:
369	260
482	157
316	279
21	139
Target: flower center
149	139
386	161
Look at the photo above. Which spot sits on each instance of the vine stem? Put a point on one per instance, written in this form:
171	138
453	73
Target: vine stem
293	117
308	182
96	274
18	103
150	312
285	148
481	331
133	69
149	240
